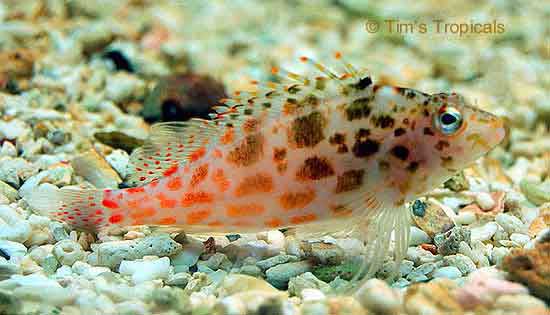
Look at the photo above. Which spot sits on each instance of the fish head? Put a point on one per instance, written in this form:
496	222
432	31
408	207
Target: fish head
450	135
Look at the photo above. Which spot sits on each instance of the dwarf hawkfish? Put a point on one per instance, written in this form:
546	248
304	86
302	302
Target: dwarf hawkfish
328	153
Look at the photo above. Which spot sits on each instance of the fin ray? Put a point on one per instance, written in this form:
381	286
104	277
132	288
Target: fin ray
169	144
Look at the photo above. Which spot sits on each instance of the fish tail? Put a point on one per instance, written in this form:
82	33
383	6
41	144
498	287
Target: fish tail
81	209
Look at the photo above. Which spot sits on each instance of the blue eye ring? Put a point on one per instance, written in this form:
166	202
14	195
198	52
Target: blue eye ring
448	120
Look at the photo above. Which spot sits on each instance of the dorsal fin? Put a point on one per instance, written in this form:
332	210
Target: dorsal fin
293	93
169	144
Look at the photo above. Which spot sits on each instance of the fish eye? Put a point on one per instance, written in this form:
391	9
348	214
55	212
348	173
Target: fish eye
448	120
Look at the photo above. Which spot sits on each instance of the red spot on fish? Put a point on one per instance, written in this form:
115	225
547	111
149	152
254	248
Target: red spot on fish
109	204
197	154
134	190
171	170
115	218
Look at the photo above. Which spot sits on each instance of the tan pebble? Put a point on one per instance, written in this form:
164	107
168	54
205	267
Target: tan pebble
431	298
436	218
524	303
541	222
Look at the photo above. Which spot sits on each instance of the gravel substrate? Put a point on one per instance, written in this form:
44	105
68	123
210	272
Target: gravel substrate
78	78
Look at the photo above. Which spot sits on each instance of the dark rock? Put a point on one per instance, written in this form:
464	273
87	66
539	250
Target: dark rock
181	97
119	60
448	243
118	140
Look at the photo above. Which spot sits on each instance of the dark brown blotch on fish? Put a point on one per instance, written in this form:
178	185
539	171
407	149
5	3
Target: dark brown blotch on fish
428	131
315	168
383	121
399	132
400	152
413	166
349	180
279	154
307	131
339	140
441	144
359	108
248	152
363	83
364	147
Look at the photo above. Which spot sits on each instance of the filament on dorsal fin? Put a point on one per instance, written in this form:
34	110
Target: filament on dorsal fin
319	67
349	68
285	74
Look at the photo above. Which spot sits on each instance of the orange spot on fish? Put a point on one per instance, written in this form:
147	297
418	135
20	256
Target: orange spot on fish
198	216
191	198
217	153
301	219
109	204
116	218
227	137
220	180
171	170
296	200
199	175
258	183
215	224
167	220
244	210
142	213
274	223
174	184
167	203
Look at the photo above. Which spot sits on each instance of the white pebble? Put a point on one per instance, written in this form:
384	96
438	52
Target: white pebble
462	262
520	238
12	226
146	269
509	223
309	294
376	296
498	254
68	252
465	218
13	249
418	237
485	201
449	272
8	149
38	288
484	232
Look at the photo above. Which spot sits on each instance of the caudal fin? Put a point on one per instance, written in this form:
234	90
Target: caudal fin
81	209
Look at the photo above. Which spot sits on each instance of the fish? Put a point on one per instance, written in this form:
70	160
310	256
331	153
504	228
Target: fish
330	152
